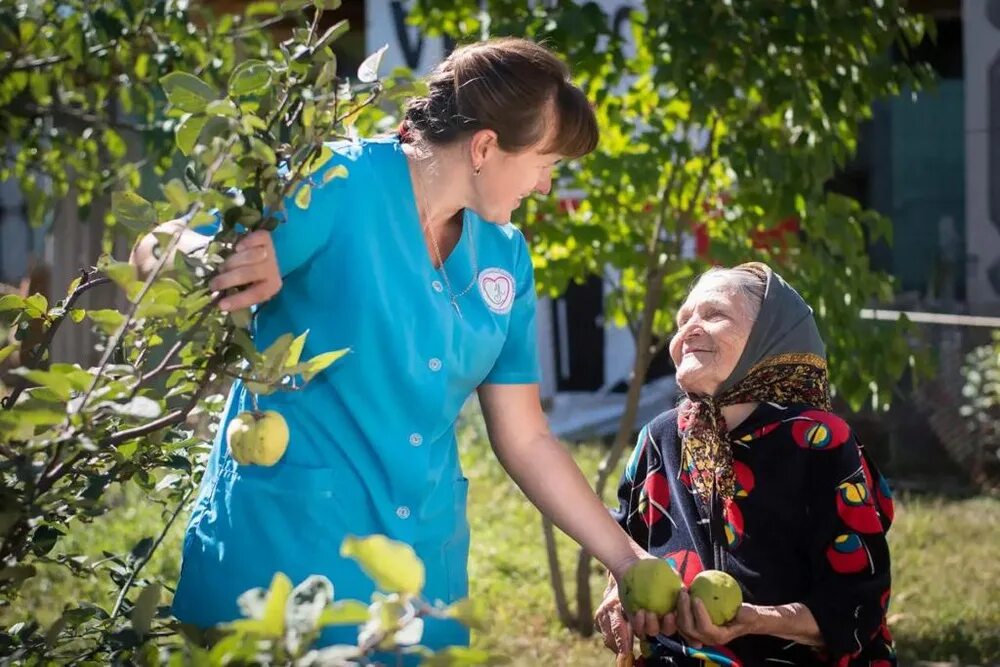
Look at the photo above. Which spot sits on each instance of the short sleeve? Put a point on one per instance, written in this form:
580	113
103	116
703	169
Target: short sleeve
849	557
518	360
302	232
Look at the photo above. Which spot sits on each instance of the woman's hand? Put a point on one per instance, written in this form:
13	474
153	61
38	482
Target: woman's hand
618	631
612	623
253	269
695	625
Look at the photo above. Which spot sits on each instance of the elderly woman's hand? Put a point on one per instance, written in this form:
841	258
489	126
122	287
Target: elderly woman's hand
618	631
696	626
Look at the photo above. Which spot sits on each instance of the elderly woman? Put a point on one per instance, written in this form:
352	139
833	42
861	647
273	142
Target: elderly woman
755	476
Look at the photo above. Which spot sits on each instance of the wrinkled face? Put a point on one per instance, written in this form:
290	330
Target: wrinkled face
713	326
505	178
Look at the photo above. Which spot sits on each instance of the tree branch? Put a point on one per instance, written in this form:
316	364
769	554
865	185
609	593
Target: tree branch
145	559
35	355
116	339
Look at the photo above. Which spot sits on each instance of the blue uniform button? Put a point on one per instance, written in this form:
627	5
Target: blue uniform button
416	439
438	287
403	512
434	364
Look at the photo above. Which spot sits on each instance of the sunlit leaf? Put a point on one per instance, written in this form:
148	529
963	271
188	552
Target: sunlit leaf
145	609
273	618
133	211
187	92
295	350
368	71
344	612
188	132
250	76
393	566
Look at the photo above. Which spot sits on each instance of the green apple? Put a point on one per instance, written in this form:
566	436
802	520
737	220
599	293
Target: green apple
650	585
720	594
257	438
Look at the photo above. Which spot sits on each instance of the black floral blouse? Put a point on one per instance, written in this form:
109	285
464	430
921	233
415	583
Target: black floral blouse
807	524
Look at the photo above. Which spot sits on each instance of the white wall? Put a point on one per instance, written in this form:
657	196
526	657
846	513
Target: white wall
982	128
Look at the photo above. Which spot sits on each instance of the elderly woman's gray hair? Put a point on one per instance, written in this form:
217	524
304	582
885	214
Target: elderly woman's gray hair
749	280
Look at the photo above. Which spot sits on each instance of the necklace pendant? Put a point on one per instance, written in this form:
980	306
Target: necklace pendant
454	303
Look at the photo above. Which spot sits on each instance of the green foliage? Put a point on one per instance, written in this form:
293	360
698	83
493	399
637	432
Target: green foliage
79	94
726	118
981	408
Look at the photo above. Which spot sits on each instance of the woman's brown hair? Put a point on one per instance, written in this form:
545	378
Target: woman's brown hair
511	86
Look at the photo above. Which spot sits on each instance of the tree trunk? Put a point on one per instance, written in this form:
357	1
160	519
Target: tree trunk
555	575
609	464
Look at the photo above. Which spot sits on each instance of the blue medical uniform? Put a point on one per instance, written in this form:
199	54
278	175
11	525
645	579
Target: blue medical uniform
372	447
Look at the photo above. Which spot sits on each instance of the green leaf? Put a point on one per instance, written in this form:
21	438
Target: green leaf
250	76
188	132
273	358
107	319
273	620
344	612
222	109
303	196
133	211
6	351
471	613
328	4
139	407
332	34
262	151
52	634
262	9
145	609
251	123
77	315
327	74
177	194
393	566
368	71
11	302
122	274
319	363
30	417
36	305
187	92
54	382
295	350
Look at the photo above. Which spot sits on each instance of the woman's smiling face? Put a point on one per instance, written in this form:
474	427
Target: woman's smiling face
713	326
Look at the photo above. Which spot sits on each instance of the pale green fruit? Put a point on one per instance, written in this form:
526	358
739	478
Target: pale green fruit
720	594
259	438
650	585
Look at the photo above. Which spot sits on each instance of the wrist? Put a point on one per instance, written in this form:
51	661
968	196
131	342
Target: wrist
760	620
630	556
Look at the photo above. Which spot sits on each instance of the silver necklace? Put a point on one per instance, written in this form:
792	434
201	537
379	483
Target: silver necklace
444	273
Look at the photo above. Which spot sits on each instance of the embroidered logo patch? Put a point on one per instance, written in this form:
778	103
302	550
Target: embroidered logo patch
497	289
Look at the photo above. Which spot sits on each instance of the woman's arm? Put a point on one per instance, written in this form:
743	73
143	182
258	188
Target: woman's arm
793	622
252	269
544	470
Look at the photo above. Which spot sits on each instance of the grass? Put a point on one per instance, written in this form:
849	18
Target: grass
946	604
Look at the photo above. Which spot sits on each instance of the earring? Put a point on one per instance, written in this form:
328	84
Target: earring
476	171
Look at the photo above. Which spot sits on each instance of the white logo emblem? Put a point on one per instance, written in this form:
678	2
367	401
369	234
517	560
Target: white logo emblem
497	288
